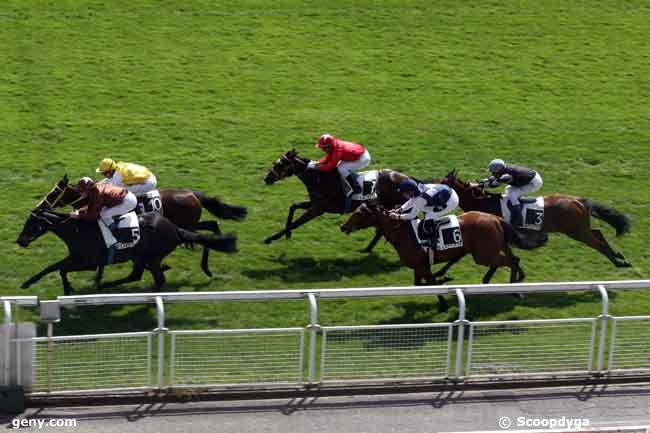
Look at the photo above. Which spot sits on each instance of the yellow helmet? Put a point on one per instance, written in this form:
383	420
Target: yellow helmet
106	165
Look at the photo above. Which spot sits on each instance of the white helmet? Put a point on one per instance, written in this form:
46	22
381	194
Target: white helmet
496	165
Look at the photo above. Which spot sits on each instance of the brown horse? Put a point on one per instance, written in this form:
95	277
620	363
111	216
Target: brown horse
326	192
484	236
183	207
562	214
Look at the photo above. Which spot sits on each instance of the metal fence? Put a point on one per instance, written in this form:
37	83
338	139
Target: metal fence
630	343
90	362
240	356
386	352
317	354
527	347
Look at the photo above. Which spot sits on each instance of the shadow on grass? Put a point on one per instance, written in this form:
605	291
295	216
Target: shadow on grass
308	269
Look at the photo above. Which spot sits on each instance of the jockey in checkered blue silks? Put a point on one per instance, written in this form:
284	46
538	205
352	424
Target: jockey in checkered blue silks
435	200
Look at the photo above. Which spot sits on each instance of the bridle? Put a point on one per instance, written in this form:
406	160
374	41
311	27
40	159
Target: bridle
290	161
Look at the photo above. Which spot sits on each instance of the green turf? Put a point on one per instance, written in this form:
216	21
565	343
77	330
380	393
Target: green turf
208	94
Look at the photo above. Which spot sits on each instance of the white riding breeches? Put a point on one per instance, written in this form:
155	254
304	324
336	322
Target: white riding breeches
514	192
128	204
144	187
345	167
452	204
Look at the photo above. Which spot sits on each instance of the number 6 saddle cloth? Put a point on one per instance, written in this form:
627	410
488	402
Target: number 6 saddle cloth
449	235
532	211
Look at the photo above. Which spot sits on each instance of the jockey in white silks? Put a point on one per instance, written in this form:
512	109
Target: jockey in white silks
132	177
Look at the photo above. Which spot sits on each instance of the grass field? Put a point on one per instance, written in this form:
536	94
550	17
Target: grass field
208	94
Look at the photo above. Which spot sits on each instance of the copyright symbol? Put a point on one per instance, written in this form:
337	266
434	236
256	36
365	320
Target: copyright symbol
504	422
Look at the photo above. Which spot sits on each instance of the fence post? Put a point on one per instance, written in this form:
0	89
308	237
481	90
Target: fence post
604	317
7	343
313	330
461	332
160	330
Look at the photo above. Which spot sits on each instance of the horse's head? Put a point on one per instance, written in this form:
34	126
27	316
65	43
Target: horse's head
37	224
363	217
289	164
53	198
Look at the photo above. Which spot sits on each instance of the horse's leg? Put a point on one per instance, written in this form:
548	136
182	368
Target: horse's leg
602	239
307	216
135	275
71	267
489	274
449	264
209	225
156	272
292	210
424	275
204	262
373	242
588	237
99	274
53	267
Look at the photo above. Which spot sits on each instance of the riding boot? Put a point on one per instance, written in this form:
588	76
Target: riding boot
110	256
356	189
515	215
348	203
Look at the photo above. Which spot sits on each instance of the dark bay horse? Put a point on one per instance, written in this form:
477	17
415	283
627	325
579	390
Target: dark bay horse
87	250
183	207
486	237
326	192
562	214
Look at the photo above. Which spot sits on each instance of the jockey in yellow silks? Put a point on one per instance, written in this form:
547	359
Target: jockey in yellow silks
132	177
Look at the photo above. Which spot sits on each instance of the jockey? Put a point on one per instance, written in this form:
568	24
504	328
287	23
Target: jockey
104	201
345	157
132	177
519	180
436	200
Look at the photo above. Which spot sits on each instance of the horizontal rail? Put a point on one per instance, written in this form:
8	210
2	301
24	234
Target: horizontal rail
82	337
374	327
534	321
29	301
468	289
236	331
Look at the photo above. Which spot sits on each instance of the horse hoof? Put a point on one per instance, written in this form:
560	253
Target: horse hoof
624	264
288	235
24	285
207	272
268	241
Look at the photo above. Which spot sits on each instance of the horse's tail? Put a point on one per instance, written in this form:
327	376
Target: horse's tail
611	216
519	239
226	243
220	209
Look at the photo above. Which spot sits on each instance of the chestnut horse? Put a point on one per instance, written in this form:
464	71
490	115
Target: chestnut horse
562	214
326	193
484	236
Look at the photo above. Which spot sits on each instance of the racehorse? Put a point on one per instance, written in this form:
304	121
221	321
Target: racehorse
87	250
326	192
183	207
562	214
484	236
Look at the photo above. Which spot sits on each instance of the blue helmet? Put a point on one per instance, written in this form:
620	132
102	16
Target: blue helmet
408	185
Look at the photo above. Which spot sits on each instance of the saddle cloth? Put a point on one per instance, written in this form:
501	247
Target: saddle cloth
449	234
367	180
126	235
149	203
532	211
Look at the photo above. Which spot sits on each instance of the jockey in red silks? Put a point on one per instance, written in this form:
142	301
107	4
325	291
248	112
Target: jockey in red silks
346	157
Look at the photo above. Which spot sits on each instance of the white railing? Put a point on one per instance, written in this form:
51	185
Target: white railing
462	350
